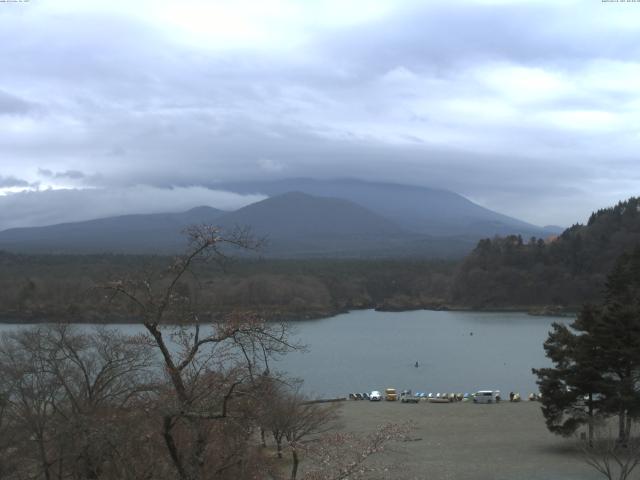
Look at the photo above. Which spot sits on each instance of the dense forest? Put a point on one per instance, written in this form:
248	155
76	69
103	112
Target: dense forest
39	287
546	275
562	271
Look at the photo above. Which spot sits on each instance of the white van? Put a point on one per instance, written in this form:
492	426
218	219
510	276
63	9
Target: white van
486	396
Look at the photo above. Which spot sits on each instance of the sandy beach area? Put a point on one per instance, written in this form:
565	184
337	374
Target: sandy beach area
467	441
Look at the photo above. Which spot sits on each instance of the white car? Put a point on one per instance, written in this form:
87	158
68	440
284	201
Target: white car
375	396
487	396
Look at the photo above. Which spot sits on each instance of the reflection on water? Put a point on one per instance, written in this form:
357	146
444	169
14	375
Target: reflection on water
455	351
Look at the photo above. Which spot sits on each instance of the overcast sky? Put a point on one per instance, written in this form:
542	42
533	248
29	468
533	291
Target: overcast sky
528	108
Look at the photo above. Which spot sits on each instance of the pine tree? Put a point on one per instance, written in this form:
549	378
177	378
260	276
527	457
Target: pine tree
597	359
572	389
618	336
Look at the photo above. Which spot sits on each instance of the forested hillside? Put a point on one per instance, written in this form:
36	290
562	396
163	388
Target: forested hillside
45	287
568	270
503	272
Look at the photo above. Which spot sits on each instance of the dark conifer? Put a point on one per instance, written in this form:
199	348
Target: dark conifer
597	359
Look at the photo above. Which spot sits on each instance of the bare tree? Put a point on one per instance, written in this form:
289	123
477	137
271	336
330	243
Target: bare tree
292	417
31	394
66	394
211	371
307	419
608	456
341	456
102	374
7	460
271	410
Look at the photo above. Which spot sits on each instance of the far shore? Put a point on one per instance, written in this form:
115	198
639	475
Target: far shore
35	318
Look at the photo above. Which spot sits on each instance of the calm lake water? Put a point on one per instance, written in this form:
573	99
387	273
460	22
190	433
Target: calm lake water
456	351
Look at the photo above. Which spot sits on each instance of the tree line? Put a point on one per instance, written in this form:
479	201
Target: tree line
565	271
37	287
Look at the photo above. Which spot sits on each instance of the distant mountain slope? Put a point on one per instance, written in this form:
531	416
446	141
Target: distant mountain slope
298	215
150	233
299	225
569	270
296	225
418	209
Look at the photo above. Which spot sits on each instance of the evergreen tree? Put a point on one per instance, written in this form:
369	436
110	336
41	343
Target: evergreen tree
617	335
597	359
572	389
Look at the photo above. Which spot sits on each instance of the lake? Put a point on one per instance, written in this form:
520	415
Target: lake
456	351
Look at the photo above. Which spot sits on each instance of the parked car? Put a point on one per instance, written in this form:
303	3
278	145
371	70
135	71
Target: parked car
486	396
375	396
390	394
407	397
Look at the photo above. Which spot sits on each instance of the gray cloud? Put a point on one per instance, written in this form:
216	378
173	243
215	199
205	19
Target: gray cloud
527	108
439	36
12	105
70	174
52	206
8	182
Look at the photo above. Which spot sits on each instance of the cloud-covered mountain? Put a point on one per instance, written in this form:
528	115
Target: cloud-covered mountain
299	215
295	225
524	105
336	218
421	210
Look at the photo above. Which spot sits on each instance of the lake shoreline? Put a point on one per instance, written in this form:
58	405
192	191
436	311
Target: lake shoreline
366	350
533	310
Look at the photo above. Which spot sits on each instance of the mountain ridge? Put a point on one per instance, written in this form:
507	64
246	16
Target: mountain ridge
296	224
144	232
389	220
425	210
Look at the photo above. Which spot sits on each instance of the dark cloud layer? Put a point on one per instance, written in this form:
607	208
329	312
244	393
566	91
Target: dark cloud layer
12	105
9	182
47	207
71	174
529	108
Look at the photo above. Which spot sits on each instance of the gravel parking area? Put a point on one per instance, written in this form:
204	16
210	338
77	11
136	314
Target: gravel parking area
467	441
